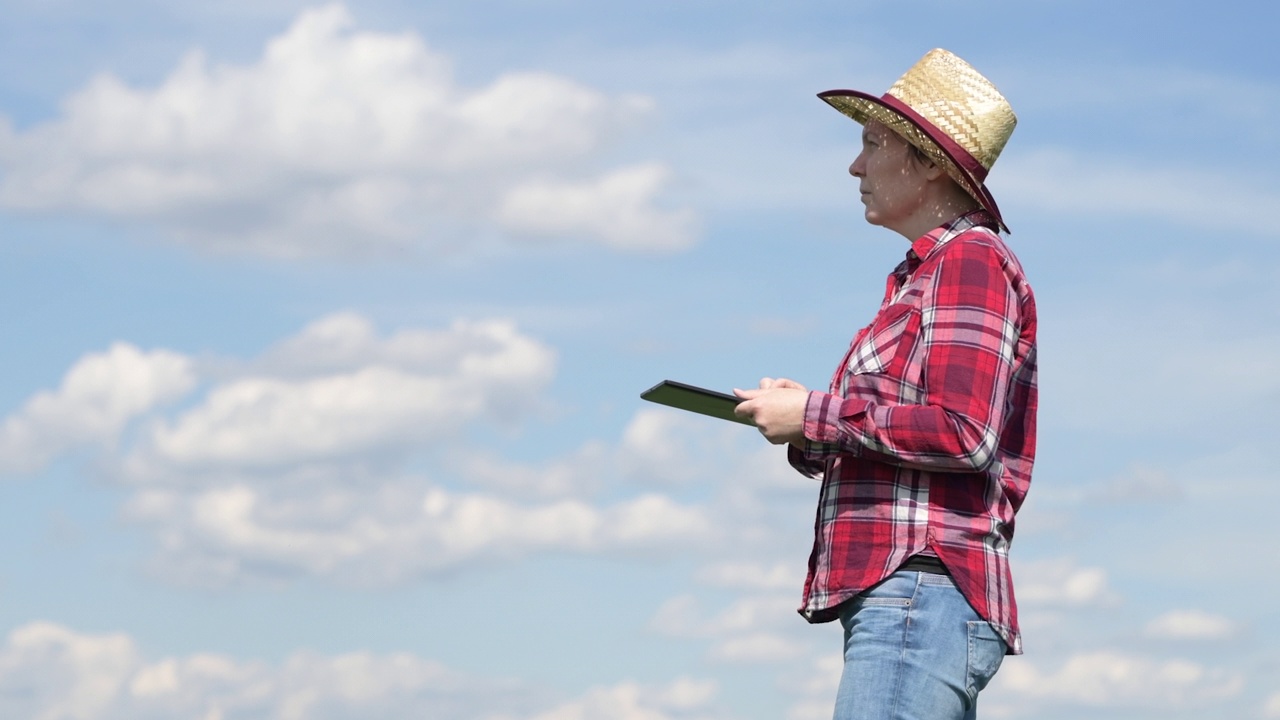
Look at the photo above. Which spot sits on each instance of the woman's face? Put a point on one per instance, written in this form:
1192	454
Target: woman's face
891	181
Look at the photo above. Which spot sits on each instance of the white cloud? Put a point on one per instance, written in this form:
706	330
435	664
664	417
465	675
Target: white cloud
336	392
98	397
1116	679
60	674
681	616
297	463
684	698
49	672
1060	582
341	142
1272	707
264	422
388	532
811	709
575	475
286	472
617	208
1190	625
816	688
686	693
657	449
751	629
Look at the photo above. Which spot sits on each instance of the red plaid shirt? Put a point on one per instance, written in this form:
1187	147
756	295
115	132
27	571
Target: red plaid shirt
926	439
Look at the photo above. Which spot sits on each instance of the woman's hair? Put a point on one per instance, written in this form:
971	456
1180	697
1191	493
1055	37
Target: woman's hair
919	155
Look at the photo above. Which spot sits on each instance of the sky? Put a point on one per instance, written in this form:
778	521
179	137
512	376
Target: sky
325	327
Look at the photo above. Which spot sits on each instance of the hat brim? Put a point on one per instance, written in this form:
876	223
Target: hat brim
953	159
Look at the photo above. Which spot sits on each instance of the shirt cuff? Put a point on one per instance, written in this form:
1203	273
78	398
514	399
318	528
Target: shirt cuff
808	462
827	417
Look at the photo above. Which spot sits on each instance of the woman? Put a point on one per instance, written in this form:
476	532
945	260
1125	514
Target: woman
925	439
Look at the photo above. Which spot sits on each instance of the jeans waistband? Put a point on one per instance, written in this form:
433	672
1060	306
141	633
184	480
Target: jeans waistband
925	563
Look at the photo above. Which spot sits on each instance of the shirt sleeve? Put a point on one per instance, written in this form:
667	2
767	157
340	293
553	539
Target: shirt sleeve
967	341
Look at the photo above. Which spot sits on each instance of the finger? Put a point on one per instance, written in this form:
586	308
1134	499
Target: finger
766	383
746	394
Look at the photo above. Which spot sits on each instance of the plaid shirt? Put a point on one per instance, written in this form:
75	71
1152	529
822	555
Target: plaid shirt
926	439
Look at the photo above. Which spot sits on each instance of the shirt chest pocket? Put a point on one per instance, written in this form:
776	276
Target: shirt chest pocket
886	343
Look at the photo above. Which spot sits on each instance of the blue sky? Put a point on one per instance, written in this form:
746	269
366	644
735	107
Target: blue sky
326	326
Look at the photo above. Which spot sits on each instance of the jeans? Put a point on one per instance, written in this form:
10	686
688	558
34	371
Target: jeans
914	649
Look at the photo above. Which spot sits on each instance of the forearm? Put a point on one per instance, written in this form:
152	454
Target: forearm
928	437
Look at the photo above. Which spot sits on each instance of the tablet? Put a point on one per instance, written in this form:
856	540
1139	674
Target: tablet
695	399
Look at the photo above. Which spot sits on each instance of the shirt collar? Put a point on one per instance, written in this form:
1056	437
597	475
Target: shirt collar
929	242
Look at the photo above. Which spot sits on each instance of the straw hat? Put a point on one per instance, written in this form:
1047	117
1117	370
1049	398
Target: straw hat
948	110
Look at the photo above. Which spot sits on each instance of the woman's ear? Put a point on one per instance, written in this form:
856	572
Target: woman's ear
932	170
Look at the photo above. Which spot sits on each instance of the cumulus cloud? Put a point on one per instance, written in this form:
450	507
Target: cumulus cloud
98	397
1272	707
286	466
1117	679
336	391
751	629
684	698
225	517
49	671
346	454
1062	583
670	448
281	470
618	209
386	534
657	449
682	616
815	685
343	142
1190	625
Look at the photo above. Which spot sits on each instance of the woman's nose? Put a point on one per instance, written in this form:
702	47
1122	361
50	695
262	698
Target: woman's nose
858	167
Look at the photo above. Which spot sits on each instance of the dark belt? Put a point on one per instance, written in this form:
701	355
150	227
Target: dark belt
925	563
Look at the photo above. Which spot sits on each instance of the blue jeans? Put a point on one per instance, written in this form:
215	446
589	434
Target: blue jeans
914	649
